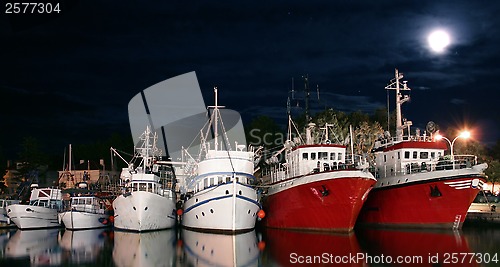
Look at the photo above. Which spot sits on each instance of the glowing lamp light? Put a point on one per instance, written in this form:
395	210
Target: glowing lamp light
464	134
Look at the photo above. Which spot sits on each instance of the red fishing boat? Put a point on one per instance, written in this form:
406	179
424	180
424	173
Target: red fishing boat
318	187
416	185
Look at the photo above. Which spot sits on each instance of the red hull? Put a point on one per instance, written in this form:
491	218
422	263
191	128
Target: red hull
306	207
420	204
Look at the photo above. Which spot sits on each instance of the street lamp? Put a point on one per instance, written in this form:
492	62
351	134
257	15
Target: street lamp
464	135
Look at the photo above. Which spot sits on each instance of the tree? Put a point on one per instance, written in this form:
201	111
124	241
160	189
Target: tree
365	136
31	157
493	172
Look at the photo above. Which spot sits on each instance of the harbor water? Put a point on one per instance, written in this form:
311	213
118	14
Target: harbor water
472	246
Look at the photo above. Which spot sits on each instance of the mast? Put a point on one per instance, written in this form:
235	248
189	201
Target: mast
216	133
306	89
400	99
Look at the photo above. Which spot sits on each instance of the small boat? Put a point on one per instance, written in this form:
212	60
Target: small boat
219	183
4	219
41	212
86	212
147	202
416	186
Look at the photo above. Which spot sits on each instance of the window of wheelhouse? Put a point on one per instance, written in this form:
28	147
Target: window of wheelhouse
332	156
142	186
433	155
305	156
385	158
313	156
407	154
399	155
415	154
323	155
339	156
424	155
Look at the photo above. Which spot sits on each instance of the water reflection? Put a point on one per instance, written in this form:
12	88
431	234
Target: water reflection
416	248
206	249
144	249
40	246
267	247
82	246
291	248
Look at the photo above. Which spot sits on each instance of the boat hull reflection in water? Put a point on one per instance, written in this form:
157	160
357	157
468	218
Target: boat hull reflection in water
40	246
208	249
144	249
82	246
419	247
291	248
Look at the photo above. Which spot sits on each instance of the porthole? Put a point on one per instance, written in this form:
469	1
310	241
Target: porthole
211	211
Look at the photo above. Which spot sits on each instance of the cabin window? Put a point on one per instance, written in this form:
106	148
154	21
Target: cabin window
228	179
323	155
424	155
89	201
205	182
399	155
150	187
433	154
340	156
332	156
407	154
415	154
305	156
385	158
212	181
219	179
313	156
142	186
439	154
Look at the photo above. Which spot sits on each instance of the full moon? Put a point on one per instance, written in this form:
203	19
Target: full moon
438	40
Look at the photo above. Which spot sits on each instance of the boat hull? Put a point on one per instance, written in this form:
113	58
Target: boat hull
143	211
327	201
229	207
32	217
434	203
80	220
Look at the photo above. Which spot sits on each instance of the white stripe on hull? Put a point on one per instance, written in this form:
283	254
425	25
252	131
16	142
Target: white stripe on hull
32	217
144	211
219	209
78	220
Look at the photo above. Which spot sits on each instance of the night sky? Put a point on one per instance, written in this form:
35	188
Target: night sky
68	78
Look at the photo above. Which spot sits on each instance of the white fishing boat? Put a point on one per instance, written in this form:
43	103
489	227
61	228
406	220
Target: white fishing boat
41	212
85	212
219	182
148	200
4	219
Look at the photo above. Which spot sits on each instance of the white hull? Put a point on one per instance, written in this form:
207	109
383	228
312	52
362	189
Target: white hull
225	207
80	220
144	249
207	249
32	217
144	211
